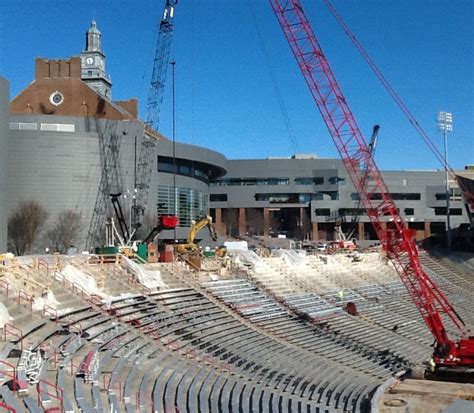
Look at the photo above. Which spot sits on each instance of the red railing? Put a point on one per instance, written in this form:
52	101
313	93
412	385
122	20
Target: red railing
73	365
60	277
51	311
9	328
113	383
94	300
170	344
190	353
226	367
7	407
5	285
75	286
10	374
42	388
74	326
22	295
208	360
44	264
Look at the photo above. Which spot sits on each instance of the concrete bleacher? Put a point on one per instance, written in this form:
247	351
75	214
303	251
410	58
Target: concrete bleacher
278	339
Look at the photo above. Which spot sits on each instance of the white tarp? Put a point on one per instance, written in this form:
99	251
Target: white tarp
236	245
249	258
149	278
111	298
292	258
47	299
82	279
4	315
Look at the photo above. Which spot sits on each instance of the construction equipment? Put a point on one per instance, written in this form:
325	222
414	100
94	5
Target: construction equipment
155	99
165	222
343	240
372	146
195	228
396	239
468	192
110	135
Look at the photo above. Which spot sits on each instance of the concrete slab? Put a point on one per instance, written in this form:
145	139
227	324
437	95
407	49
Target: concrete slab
424	396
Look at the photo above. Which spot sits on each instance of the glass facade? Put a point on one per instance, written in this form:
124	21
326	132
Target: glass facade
296	198
198	170
317	180
251	181
189	204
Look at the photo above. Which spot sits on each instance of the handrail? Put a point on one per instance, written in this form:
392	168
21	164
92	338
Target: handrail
24	295
42	263
5	285
116	383
50	310
60	276
9	328
225	367
8	374
6	406
94	299
59	398
74	326
75	286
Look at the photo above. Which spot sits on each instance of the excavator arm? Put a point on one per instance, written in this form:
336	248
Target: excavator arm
198	226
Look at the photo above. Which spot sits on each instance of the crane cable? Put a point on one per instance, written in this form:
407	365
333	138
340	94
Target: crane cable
276	88
398	100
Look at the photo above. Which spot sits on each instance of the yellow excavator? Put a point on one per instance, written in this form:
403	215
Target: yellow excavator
195	228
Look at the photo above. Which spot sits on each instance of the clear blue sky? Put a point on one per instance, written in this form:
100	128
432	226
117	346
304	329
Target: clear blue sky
228	73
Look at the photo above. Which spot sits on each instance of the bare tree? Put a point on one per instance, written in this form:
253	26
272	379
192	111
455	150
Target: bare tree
25	225
65	230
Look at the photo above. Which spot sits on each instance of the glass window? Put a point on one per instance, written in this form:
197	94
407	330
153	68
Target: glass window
317	180
455	211
322	212
412	196
440	211
409	211
218	197
304	198
188	204
334	180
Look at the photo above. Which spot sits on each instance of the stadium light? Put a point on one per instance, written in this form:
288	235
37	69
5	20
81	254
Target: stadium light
445	125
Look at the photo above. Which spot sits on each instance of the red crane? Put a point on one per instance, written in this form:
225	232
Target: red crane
395	237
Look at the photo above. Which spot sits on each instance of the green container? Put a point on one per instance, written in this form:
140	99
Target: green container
143	251
106	250
209	254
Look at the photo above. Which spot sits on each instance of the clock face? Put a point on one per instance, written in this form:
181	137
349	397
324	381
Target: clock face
90	60
56	98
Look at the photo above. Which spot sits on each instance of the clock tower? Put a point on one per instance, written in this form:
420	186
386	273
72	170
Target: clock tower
93	63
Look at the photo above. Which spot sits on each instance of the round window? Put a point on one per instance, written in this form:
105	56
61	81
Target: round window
56	98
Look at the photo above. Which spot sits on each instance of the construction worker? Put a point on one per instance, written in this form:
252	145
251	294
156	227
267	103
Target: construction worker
431	365
340	295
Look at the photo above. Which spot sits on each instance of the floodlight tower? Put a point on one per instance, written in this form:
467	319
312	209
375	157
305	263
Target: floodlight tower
445	125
